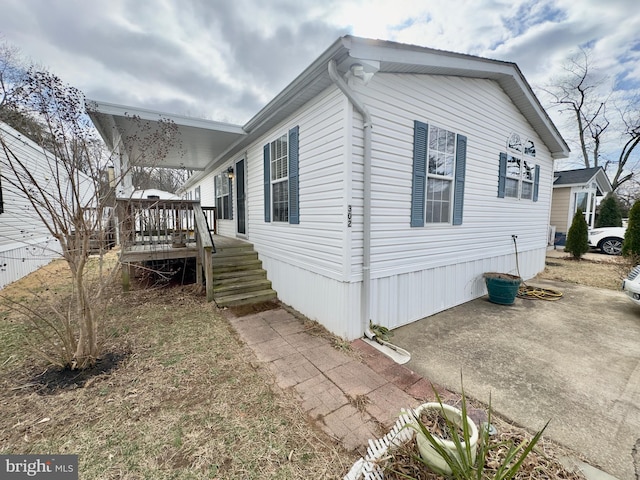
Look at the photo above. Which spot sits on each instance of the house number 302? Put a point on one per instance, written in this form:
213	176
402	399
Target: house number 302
348	215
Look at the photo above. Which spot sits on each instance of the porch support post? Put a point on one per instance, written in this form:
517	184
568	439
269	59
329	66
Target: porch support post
126	276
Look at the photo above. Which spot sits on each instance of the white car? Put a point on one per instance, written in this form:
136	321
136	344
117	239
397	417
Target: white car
607	239
631	285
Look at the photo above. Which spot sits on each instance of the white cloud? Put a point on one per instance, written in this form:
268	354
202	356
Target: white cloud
225	60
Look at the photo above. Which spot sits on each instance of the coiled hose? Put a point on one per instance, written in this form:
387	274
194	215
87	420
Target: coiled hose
533	293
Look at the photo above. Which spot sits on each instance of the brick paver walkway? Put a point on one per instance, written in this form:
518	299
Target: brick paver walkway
353	398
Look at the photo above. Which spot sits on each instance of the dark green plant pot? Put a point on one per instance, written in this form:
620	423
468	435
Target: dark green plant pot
502	287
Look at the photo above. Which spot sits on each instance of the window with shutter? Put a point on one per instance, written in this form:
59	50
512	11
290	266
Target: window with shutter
518	177
281	187
439	162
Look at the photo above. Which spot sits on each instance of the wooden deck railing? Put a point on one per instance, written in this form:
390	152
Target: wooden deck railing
149	224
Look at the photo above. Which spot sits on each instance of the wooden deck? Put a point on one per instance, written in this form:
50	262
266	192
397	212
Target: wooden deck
164	230
150	251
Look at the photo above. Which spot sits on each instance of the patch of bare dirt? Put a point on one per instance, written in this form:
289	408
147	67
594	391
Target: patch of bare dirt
54	379
244	310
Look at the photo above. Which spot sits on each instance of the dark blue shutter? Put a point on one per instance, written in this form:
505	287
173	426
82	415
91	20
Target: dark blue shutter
502	174
267	184
230	217
458	193
294	197
536	184
420	135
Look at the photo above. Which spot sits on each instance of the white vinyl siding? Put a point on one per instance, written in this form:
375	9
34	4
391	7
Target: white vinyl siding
480	110
25	242
316	266
316	243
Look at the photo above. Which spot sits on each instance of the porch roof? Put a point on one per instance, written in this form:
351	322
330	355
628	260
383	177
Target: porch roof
199	141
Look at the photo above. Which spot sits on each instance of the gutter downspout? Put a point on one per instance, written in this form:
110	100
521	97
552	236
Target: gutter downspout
366	234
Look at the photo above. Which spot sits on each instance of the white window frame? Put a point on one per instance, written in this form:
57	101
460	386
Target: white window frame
520	169
441	168
279	168
222	190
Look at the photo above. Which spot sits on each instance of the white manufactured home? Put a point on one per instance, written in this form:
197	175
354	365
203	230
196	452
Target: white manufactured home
381	183
25	242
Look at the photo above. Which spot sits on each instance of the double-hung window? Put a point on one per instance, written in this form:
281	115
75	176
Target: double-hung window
519	177
280	178
440	171
281	199
439	158
223	196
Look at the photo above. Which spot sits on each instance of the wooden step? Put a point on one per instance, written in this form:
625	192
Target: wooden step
237	267
235	259
243	286
231	252
222	278
246	298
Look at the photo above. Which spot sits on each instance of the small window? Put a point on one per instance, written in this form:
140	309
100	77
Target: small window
223	194
529	148
197	193
514	143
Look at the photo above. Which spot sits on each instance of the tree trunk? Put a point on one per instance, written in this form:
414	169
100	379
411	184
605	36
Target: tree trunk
87	348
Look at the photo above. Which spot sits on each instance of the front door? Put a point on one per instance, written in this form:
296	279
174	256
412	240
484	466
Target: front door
240	198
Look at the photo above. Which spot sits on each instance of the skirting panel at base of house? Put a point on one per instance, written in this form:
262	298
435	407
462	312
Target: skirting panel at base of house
334	304
396	300
21	260
400	299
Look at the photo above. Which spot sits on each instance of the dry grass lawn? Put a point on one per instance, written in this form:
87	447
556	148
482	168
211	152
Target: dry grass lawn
180	396
599	271
187	399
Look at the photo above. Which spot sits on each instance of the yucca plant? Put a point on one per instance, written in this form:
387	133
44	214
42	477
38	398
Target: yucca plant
463	465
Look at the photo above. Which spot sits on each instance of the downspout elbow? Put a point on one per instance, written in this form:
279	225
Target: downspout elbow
342	85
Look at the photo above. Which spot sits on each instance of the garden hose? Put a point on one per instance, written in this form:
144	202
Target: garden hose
533	293
538	293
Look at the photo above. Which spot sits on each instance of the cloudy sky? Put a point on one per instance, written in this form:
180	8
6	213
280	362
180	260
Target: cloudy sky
225	59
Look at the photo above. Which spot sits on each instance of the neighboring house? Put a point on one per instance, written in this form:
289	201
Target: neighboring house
573	189
381	183
25	242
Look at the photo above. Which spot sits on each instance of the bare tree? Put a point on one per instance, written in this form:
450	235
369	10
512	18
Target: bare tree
13	74
579	93
70	203
167	179
625	168
583	92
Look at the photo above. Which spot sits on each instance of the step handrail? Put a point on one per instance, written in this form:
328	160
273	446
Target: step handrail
204	241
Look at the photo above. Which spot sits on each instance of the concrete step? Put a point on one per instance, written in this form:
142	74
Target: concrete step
246	298
239	286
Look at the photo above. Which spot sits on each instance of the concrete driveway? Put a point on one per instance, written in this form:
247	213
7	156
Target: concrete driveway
575	361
